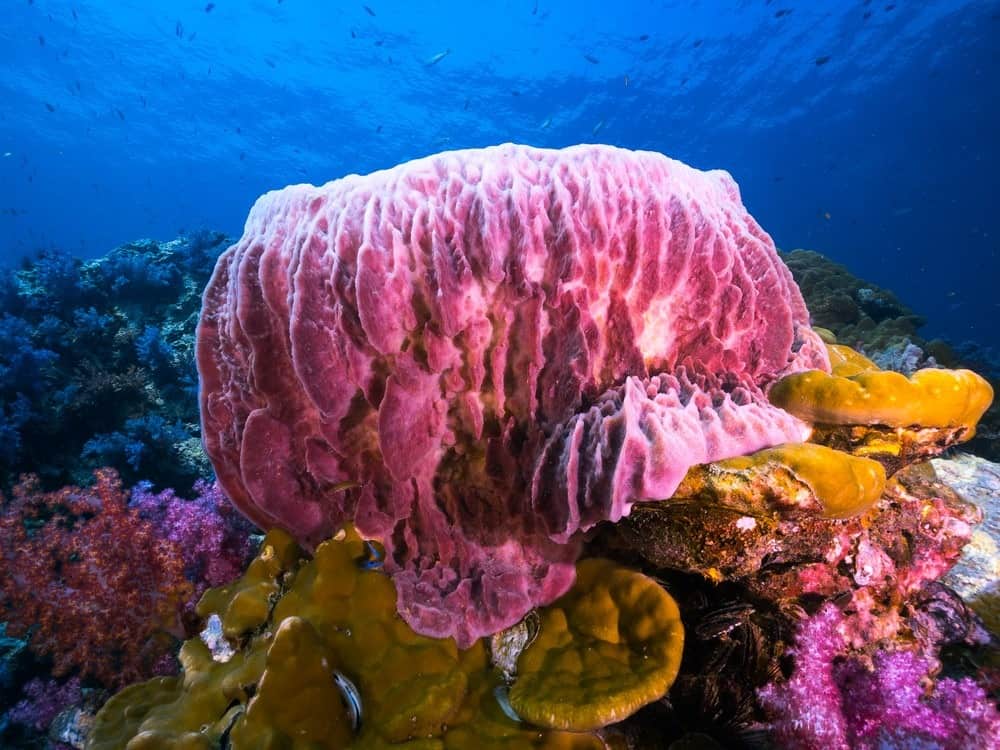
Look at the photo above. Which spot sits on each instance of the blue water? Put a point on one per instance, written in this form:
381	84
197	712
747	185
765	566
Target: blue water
136	118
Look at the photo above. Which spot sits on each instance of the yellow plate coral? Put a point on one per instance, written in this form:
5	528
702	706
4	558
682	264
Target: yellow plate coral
606	648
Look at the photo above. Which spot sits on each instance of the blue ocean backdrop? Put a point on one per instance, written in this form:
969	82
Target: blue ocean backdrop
863	129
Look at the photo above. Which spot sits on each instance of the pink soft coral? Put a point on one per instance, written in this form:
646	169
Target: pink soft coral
96	586
503	347
837	702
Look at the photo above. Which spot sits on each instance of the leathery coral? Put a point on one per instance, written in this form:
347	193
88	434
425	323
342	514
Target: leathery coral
304	653
502	347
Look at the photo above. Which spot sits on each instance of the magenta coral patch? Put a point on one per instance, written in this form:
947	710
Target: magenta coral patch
504	347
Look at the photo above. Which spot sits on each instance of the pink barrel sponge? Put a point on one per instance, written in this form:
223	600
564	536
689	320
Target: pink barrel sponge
503	347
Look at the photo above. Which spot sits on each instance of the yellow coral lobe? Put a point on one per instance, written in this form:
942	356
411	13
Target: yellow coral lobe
845	361
244	605
298	678
828	336
845	485
929	398
606	648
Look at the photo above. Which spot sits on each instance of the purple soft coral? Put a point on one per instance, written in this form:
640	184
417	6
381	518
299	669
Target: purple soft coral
502	347
43	700
832	703
214	539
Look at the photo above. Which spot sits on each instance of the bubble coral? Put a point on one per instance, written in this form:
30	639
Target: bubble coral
503	347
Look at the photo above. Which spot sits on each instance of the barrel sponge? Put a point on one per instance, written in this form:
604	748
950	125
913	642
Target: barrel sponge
501	347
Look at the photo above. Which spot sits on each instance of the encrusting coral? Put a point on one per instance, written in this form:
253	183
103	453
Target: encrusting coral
310	653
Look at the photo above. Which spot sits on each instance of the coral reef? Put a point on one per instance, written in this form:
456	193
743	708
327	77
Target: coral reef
547	453
436	333
860	314
97	364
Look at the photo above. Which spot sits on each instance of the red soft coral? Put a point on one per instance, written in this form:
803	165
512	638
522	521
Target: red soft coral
95	585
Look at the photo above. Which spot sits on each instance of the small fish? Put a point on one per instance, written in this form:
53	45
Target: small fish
49	107
902	211
626	81
597	127
369	11
378	129
373	556
591	59
698	43
465	107
515	92
379	42
868	14
889	7
822	59
179	29
77	85
41	40
121	115
243	156
143	100
826	215
643	37
209	7
438	58
73	10
6	154
546	123
534	9
270	62
353	35
192	36
350	697
782	12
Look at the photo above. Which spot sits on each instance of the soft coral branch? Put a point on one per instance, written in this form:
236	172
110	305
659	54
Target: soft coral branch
98	587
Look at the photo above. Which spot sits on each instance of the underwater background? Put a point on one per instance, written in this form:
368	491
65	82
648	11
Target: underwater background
134	138
865	130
